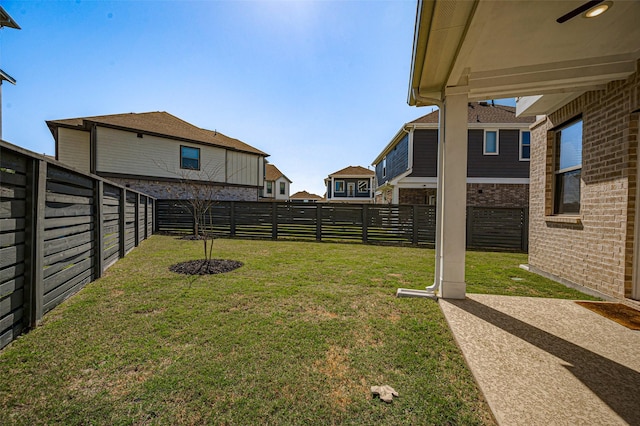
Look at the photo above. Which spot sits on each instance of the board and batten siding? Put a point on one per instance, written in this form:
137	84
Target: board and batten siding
74	148
244	168
124	152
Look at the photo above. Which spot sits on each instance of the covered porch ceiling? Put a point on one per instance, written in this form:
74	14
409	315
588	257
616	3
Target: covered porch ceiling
497	49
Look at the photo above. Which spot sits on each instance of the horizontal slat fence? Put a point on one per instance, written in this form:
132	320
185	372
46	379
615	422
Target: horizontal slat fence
59	230
487	228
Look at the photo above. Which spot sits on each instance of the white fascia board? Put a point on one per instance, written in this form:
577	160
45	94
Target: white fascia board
543	104
477	126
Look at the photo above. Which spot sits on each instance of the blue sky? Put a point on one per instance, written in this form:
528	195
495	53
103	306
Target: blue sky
317	85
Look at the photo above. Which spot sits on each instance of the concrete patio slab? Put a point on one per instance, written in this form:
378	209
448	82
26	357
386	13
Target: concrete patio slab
548	361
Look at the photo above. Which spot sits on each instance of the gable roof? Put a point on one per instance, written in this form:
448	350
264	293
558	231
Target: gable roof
272	173
353	171
482	112
158	123
304	195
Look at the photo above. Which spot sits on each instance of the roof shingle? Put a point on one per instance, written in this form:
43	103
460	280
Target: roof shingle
481	112
159	123
353	171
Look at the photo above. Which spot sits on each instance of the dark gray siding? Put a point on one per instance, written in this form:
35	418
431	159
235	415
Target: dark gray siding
356	193
397	161
379	178
425	153
505	165
398	158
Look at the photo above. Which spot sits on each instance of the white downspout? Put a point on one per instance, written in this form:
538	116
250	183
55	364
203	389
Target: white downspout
432	290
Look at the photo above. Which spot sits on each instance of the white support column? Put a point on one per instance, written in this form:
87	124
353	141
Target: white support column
452	198
395	198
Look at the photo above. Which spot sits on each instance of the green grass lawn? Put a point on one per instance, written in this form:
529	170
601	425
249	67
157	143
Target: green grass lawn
296	336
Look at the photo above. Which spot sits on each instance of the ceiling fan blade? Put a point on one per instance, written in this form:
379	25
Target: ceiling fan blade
577	11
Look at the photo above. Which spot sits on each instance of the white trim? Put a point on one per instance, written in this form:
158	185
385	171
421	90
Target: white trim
489	126
410	150
520	157
430	182
484	141
505	181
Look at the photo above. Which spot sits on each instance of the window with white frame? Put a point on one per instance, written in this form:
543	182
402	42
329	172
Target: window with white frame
384	167
567	168
363	185
282	188
491	143
525	145
269	187
339	186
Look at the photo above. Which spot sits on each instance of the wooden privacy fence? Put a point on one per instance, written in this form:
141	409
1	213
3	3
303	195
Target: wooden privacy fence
59	230
487	228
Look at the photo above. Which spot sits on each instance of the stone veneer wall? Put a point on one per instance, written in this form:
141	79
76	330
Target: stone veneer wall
176	191
596	252
478	195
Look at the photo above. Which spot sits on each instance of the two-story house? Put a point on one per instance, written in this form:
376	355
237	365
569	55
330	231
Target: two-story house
5	21
157	153
353	184
276	184
497	170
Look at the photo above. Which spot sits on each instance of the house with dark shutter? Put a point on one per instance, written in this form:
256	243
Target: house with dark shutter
353	184
497	168
156	152
276	184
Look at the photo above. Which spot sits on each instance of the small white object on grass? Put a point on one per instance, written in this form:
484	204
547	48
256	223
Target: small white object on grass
386	392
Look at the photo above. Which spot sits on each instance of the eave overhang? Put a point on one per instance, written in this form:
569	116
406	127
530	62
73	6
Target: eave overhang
490	50
6	77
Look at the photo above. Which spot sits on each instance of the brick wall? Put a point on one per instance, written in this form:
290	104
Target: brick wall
478	195
595	248
176	191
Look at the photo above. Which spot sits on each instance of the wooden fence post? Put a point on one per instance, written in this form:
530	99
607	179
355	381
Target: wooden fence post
319	222
365	219
122	221
34	257
98	230
136	221
469	226
274	220
415	224
232	219
146	217
525	230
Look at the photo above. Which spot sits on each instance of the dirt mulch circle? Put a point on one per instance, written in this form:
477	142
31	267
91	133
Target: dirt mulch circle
618	312
204	267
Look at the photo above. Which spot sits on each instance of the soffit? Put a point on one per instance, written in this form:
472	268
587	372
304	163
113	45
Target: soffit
494	49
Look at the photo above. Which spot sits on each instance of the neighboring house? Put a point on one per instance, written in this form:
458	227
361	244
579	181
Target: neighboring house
353	184
497	169
583	218
276	184
156	153
305	197
5	21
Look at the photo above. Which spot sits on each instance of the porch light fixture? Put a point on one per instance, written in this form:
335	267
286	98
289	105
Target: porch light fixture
590	9
598	10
